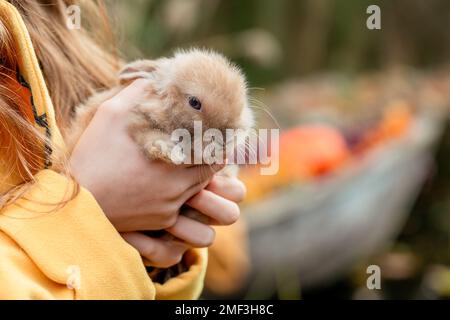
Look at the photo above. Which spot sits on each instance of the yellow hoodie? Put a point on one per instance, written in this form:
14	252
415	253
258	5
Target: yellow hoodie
72	252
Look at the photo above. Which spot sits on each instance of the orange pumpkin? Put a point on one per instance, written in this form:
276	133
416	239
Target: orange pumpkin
397	119
304	152
311	150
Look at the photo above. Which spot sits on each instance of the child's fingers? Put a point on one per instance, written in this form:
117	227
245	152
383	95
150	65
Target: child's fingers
130	96
202	173
228	187
194	233
224	211
156	252
196	178
193	190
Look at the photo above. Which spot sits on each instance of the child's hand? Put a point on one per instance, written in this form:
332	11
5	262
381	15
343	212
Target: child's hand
137	194
218	201
134	193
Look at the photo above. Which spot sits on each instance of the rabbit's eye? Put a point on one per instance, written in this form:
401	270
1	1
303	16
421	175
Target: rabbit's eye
195	103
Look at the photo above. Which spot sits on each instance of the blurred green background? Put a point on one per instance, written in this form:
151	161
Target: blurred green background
275	41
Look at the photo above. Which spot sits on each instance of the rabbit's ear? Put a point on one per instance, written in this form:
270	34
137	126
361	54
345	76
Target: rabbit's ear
137	69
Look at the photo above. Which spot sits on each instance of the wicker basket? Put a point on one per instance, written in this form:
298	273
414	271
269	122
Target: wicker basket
316	232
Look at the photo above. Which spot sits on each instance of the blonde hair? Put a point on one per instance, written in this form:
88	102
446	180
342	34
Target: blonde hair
75	64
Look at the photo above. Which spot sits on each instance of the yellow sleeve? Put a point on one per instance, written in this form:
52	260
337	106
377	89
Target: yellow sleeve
21	278
188	285
71	251
44	247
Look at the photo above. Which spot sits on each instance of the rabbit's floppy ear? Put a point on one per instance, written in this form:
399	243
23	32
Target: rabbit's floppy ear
136	70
